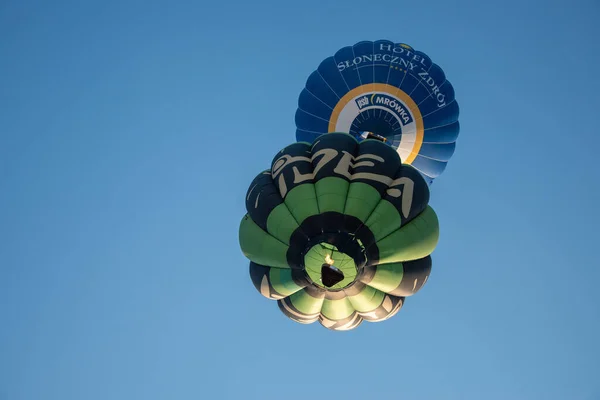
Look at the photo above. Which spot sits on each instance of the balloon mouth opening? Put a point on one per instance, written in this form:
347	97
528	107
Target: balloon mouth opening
376	127
372	135
334	267
331	275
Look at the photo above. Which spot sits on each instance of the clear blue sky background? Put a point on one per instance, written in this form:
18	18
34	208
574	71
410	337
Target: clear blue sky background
130	131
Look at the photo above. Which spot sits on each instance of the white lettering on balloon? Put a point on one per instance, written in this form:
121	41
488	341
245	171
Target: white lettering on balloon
401	57
403	186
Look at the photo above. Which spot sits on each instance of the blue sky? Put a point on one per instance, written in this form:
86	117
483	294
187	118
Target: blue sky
131	130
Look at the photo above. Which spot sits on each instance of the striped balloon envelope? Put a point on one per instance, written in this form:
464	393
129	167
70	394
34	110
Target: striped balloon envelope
386	91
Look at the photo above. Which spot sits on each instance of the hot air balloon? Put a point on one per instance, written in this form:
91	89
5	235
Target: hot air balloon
338	231
385	91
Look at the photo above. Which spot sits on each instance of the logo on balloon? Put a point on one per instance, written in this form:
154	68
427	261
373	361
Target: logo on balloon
385	102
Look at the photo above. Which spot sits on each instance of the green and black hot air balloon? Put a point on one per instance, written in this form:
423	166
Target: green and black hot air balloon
339	231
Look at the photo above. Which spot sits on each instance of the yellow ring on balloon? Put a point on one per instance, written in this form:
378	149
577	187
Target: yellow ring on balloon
391	90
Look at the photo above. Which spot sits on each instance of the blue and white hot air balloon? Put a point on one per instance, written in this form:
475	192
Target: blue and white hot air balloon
386	91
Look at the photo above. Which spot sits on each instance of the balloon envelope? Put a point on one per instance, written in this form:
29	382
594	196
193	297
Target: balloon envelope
338	231
386	91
